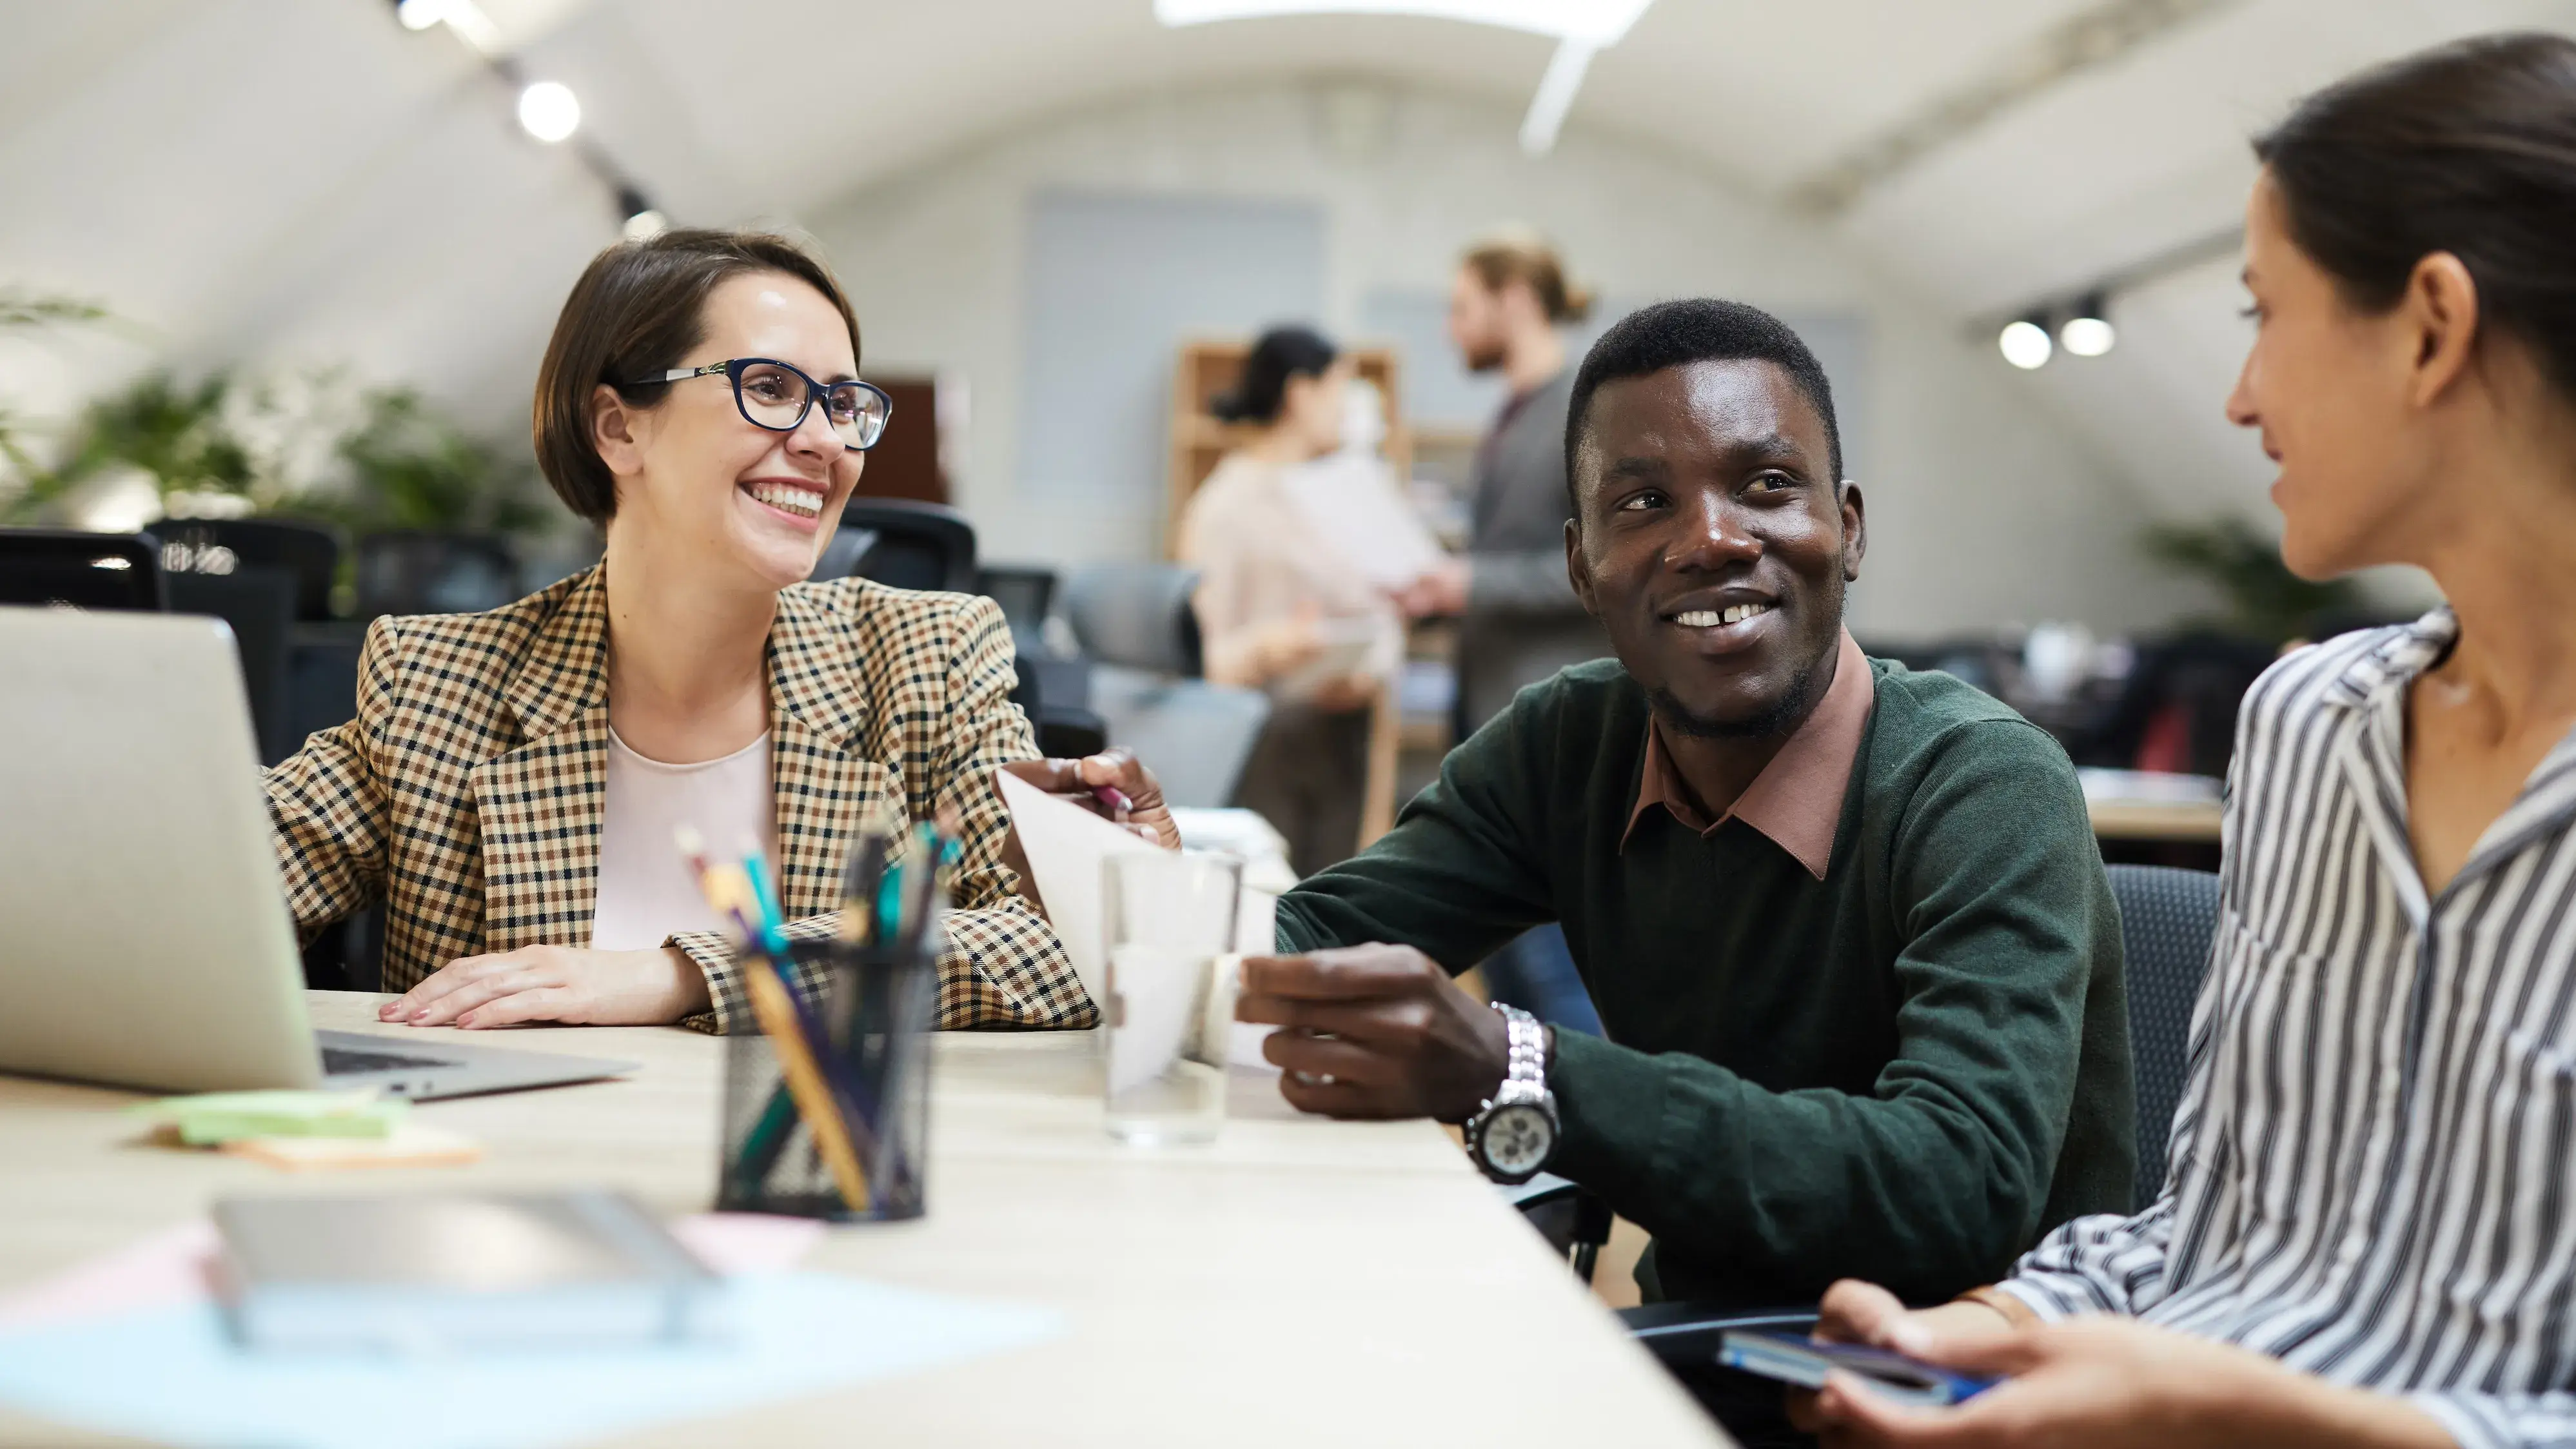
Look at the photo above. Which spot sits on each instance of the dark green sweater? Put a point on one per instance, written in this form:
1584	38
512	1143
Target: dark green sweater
1903	1072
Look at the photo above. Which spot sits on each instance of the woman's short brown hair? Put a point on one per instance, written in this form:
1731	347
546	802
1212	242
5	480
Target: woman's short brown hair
638	309
1515	255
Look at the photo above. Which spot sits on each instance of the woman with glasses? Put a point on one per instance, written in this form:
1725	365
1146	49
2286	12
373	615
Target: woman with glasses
514	780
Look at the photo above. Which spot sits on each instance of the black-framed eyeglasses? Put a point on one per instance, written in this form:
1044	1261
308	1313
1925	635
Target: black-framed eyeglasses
777	396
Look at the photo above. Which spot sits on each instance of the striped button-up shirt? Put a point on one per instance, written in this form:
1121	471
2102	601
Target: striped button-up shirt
2371	1177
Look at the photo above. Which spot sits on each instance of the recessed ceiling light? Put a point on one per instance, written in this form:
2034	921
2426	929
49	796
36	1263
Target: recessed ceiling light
1597	23
2025	344
2088	333
549	110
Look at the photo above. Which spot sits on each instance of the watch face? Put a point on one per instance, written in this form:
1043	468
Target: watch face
1517	1139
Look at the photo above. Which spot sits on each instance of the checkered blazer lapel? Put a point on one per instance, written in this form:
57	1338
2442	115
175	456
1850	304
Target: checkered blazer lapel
825	784
540	804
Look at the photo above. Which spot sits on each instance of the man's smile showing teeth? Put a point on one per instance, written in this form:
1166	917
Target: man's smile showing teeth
1713	618
787	498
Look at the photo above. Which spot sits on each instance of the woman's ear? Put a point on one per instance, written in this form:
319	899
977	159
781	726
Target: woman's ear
2442	304
612	432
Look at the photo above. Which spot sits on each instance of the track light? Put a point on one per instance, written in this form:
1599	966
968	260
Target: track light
2025	343
2088	331
549	111
420	14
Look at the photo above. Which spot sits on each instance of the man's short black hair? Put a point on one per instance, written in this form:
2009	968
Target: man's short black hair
1697	329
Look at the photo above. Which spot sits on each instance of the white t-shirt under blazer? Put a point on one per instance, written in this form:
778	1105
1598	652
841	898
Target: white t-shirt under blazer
646	894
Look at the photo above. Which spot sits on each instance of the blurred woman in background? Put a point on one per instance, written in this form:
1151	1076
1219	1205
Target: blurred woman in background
1281	610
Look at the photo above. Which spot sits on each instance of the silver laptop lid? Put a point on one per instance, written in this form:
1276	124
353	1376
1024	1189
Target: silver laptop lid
144	939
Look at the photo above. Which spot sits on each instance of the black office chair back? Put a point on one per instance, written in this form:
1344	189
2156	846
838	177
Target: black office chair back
1136	615
307	553
902	544
68	569
422	571
1027	596
2168	919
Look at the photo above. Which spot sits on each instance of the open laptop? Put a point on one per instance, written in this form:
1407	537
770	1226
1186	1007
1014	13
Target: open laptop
144	937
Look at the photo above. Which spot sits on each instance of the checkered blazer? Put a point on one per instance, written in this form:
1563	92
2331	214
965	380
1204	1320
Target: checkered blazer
468	792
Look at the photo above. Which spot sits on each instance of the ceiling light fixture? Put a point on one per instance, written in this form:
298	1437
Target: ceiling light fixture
549	111
2088	331
463	17
1598	23
2025	343
1582	29
1555	96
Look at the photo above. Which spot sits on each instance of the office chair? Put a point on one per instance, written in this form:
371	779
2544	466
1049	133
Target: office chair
2168	921
258	605
1027	596
428	571
1136	624
1054	688
68	569
308	553
903	544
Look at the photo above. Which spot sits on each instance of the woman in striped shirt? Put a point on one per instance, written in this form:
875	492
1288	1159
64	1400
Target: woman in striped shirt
2369	1231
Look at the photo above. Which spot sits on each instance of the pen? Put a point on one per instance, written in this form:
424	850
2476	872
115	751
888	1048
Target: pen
1112	799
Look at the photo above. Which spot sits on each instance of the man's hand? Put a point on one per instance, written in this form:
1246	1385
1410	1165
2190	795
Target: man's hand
555	983
1116	768
1375	1031
2096	1383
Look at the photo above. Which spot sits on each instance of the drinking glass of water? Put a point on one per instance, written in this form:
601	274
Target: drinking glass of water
1169	917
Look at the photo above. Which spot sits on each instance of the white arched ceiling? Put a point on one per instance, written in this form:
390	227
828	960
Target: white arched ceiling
273	181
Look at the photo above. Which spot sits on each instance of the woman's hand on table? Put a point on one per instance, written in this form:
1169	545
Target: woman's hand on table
555	983
2097	1382
1115	768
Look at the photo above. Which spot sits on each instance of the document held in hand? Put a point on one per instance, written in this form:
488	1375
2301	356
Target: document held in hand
1066	846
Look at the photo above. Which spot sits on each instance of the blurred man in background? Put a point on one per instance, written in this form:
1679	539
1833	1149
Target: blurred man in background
1519	619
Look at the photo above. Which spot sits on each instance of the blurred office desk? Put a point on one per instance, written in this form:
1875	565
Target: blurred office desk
2146	818
2155	820
1300	1282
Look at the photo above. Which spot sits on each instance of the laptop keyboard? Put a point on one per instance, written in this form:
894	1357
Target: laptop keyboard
341	1061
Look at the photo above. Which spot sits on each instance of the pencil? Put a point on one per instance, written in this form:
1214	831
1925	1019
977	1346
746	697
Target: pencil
783	1021
815	1101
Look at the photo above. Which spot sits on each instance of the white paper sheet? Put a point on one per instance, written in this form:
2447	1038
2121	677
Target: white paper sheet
1352	504
1256	927
1066	845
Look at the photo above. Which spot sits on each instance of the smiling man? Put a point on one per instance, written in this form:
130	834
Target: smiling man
1846	925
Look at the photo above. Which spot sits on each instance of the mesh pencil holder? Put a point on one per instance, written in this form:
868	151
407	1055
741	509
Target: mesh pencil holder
867	1077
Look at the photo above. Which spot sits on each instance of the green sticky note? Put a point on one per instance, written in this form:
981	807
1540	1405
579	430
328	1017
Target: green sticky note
212	1118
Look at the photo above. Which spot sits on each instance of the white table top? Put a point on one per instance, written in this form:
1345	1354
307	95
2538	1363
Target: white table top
1299	1282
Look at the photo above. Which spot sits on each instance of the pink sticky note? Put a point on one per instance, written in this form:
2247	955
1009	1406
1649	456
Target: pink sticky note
747	1242
168	1267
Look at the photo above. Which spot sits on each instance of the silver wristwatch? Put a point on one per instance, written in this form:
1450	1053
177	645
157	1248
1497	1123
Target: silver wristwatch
1514	1134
